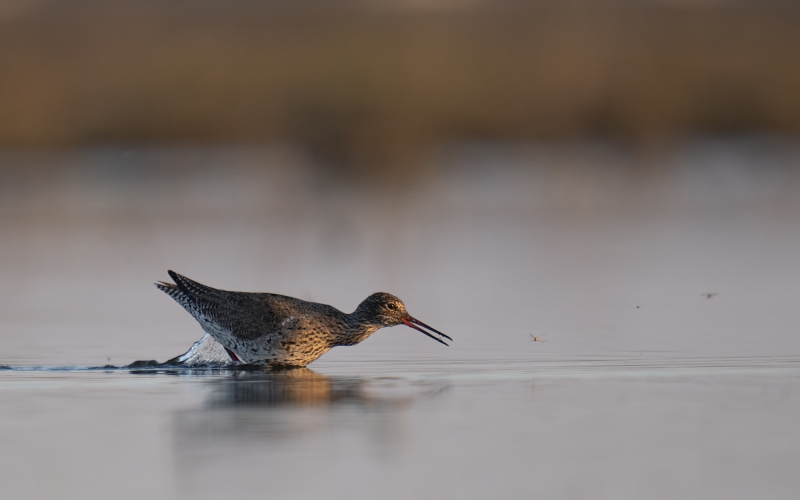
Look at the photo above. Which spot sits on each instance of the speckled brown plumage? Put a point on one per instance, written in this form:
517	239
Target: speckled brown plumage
276	329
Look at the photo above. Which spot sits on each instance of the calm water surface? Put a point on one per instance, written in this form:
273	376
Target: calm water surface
641	385
587	430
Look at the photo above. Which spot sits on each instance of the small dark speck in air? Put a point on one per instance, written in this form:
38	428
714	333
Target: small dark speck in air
637	307
537	339
710	295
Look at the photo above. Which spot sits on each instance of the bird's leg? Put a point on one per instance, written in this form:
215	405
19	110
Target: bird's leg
233	355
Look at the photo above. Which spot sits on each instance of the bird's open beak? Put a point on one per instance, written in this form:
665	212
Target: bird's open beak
411	322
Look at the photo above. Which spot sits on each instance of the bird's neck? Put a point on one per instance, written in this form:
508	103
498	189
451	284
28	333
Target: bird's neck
357	330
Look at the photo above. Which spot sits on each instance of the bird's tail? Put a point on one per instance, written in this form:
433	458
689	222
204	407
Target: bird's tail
184	291
169	288
184	285
173	291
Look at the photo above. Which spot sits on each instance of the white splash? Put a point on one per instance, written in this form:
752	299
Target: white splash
205	351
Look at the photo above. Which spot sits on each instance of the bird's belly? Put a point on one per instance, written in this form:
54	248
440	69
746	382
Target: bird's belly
268	349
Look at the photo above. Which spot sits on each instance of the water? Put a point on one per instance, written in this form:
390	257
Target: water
407	432
640	385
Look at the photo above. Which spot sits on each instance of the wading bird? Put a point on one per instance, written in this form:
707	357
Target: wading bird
270	329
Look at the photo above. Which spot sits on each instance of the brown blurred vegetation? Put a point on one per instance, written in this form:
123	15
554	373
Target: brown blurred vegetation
380	80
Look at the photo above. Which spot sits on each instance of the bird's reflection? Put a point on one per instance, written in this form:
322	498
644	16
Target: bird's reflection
276	403
250	420
298	386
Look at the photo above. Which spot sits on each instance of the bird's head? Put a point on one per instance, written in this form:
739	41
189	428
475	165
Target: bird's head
384	309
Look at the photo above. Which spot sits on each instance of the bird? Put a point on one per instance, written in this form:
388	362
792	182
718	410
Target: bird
277	330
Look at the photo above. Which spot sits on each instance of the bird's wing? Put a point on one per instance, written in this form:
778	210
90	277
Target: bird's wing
248	315
245	315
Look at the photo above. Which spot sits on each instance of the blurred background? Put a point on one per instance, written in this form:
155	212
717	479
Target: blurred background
616	177
377	82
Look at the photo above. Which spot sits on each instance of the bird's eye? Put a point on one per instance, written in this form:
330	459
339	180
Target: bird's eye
391	305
